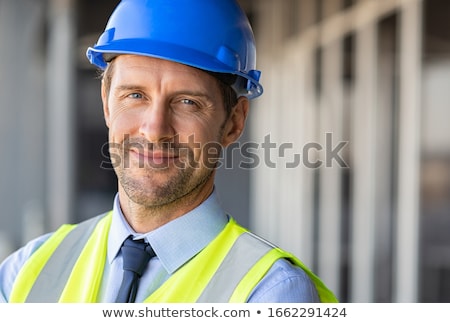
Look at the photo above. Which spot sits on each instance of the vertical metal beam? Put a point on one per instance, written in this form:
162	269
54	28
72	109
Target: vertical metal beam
295	207
60	88
363	138
386	154
308	116
407	237
22	121
289	177
331	122
299	125
264	215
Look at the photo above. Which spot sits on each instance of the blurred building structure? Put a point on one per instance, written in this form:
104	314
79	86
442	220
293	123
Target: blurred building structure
346	161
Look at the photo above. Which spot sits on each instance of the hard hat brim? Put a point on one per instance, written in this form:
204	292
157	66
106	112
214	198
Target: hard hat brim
98	55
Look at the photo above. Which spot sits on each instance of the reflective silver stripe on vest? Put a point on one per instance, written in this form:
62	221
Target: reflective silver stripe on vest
51	281
243	255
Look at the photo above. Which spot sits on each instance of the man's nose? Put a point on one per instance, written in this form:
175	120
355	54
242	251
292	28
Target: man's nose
156	123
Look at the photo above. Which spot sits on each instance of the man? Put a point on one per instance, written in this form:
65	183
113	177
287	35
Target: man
178	76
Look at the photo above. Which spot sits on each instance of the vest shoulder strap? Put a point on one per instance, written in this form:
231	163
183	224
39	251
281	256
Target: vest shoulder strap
245	253
219	273
53	277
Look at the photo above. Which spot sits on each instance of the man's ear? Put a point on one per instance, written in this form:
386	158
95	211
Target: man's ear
235	124
106	113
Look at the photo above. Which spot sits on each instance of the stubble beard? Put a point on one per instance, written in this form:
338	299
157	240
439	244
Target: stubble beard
146	189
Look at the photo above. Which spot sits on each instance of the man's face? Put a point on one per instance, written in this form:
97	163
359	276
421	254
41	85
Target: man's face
167	124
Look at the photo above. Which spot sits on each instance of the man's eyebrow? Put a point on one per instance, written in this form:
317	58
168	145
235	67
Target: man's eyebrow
192	93
189	92
126	87
178	92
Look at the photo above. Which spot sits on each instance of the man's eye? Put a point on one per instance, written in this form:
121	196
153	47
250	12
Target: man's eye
187	101
135	96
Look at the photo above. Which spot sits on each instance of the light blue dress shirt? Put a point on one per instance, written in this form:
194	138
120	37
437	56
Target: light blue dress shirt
174	244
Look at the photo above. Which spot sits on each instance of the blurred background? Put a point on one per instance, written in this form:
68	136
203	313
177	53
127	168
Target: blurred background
357	90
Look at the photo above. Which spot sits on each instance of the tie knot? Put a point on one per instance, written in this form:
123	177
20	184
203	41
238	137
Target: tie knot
136	254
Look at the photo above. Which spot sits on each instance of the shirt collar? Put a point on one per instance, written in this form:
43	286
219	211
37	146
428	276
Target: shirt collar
177	241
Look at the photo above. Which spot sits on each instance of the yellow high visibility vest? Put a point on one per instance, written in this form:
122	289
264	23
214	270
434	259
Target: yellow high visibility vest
69	266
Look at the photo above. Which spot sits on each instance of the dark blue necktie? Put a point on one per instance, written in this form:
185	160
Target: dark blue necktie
136	255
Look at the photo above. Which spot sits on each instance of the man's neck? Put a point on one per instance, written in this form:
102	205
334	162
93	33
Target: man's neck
144	218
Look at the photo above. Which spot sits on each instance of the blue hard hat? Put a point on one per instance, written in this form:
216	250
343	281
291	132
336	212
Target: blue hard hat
212	35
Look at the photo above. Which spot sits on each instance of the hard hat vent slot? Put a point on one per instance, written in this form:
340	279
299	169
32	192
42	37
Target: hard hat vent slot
229	58
107	36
